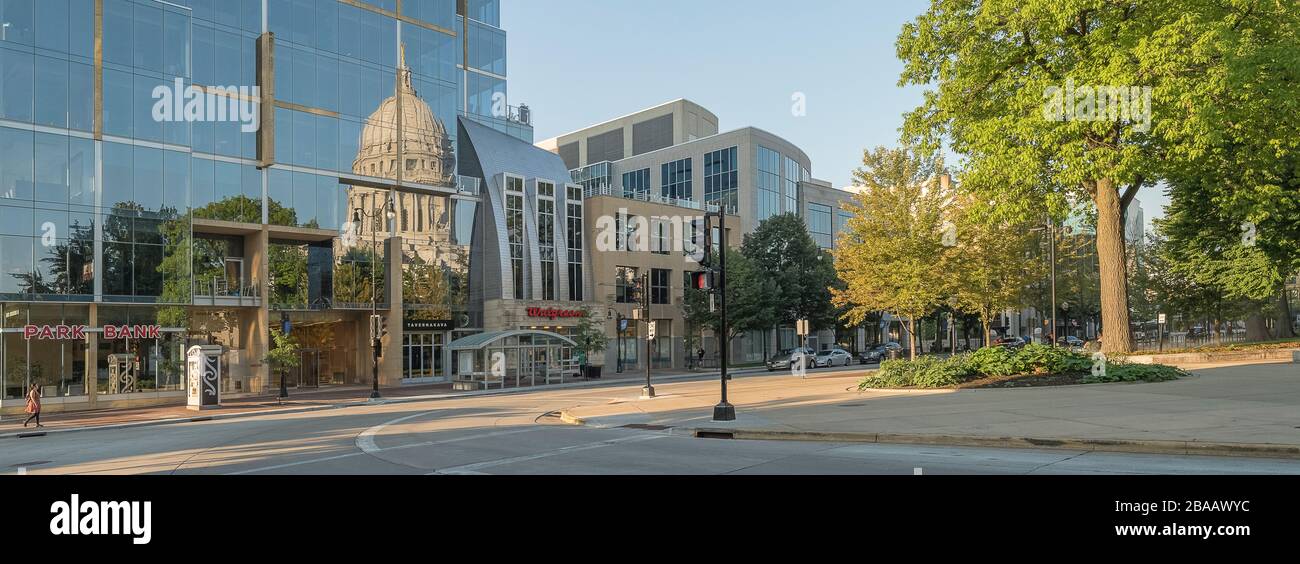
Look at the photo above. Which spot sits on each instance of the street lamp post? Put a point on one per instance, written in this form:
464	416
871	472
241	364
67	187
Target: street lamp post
386	211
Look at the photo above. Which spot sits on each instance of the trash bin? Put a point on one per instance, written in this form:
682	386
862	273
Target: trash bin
593	372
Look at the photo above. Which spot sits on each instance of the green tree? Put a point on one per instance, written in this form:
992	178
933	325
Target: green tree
892	257
589	334
284	354
993	263
795	275
1001	70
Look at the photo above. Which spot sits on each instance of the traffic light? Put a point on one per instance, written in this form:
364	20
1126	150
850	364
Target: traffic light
707	262
702	280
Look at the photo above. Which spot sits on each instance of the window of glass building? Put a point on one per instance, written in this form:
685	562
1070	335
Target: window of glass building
819	225
515	229
636	184
769	183
794	174
676	180
720	179
546	236
487	48
574	234
58	367
486	11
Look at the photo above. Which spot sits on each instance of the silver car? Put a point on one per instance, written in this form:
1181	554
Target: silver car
833	357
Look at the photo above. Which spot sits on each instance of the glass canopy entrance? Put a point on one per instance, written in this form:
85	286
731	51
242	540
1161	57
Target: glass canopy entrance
513	359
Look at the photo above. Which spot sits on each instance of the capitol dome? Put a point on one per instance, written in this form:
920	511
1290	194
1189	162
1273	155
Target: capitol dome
426	146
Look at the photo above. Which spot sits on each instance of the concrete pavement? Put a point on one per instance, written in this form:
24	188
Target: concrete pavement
1251	409
518	435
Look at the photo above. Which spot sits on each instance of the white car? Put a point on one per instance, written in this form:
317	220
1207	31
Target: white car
833	357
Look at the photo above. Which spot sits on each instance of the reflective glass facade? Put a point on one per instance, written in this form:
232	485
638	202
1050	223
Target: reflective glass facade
108	202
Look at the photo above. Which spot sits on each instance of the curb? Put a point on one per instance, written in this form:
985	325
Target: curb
1091	445
410	399
1200	448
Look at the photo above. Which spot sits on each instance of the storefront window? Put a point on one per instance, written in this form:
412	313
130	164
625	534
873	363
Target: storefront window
57	366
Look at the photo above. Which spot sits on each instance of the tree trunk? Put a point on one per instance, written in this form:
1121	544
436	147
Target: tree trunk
912	341
1284	330
985	323
1257	328
1117	334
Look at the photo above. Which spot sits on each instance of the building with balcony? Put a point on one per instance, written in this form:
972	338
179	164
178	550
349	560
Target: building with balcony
662	167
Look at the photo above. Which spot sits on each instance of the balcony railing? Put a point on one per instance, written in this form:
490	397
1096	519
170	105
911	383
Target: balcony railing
468	185
648	197
217	291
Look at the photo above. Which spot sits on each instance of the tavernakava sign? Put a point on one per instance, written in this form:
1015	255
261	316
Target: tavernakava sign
78	332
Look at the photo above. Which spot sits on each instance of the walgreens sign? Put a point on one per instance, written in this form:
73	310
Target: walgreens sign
552	313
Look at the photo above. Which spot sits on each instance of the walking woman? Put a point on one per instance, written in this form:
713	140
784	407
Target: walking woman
34	406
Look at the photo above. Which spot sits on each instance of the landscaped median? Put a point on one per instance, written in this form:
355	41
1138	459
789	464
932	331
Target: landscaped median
998	367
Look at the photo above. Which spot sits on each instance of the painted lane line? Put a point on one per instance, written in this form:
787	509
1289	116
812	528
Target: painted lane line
474	468
379	450
366	440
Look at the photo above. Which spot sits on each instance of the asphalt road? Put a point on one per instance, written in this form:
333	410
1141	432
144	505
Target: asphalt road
519	434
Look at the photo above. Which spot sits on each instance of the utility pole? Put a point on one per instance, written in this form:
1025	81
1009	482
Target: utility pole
723	411
649	390
1051	235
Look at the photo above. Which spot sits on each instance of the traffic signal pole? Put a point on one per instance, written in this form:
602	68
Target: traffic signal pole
649	390
723	411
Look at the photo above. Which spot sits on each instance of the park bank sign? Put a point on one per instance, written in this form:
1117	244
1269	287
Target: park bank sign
78	332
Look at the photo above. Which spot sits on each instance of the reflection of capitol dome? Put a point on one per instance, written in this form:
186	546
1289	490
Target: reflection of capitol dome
422	220
426	147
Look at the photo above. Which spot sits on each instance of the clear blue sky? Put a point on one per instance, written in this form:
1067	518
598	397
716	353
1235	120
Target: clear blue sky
580	62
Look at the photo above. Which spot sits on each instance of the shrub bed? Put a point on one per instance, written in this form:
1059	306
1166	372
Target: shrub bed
999	362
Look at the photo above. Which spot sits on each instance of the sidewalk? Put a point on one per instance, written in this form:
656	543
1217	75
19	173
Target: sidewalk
1238	410
299	400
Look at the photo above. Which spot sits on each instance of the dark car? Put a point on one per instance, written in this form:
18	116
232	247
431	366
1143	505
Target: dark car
781	360
1009	342
878	353
1070	341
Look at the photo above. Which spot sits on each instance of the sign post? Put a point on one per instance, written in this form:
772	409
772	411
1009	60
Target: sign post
1160	331
203	377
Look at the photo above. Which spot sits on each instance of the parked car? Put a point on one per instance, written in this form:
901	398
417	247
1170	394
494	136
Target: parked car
1009	342
1070	341
833	357
878	353
783	359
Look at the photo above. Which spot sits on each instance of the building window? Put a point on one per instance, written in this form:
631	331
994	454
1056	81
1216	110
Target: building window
661	237
794	174
515	231
819	225
769	183
636	184
675	180
659	289
626	282
842	218
546	237
627	233
720	179
574	232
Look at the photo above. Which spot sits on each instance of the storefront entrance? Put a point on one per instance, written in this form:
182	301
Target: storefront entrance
422	357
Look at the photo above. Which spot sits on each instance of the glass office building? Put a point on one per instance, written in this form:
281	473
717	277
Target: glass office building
218	167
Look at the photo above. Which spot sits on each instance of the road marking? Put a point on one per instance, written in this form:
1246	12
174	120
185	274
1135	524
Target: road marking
474	468
378	450
366	440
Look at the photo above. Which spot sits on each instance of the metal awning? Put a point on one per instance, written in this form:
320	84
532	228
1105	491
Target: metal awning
483	340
